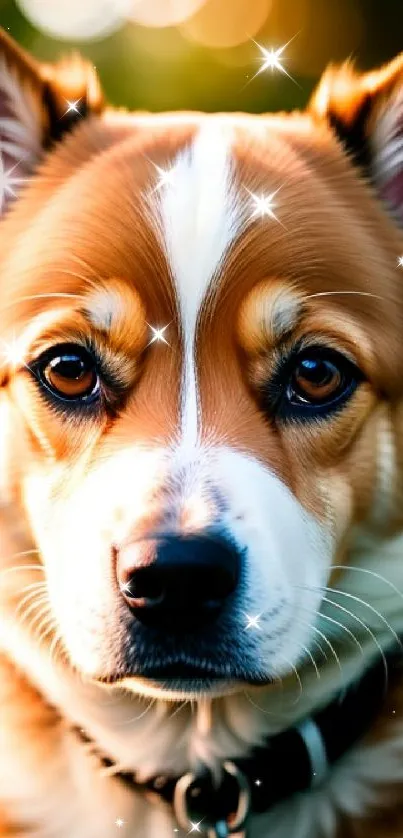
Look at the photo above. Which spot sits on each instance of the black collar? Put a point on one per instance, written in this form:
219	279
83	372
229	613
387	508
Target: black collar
292	761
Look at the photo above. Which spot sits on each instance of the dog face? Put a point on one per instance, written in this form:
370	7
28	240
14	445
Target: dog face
202	334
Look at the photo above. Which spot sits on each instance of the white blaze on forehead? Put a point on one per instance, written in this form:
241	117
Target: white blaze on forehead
200	218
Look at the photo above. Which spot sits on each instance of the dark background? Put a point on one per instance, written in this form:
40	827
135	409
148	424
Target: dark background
208	59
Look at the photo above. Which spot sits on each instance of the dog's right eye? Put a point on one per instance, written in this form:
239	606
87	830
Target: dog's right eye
70	372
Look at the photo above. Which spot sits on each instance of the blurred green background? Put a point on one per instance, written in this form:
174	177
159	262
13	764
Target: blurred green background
199	54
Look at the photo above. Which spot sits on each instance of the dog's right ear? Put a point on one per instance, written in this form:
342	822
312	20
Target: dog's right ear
365	112
39	103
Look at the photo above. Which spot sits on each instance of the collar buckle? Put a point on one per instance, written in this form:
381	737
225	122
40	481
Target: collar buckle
232	822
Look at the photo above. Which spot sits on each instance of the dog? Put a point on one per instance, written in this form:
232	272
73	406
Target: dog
201	462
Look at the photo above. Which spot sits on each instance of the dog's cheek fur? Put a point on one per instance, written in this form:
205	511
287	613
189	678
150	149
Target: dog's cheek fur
52	767
77	511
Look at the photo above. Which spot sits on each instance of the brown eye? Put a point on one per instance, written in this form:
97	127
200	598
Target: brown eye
311	384
316	379
70	372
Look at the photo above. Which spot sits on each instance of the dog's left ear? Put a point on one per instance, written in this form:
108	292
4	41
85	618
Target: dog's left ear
366	112
39	103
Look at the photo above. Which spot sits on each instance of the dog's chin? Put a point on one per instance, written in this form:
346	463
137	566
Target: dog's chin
174	682
180	689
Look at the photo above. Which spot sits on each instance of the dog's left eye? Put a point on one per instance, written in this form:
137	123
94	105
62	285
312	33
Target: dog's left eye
316	379
69	372
313	383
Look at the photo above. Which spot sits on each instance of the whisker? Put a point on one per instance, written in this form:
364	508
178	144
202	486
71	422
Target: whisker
35	604
40	595
76	275
366	628
361	623
90	282
43	618
311	658
87	267
298	677
39	588
57	638
47	623
50	295
141	716
178	709
321	649
45	628
341	626
258	707
279	682
40	619
32	585
325	639
381	578
21	566
360	602
371	608
332	293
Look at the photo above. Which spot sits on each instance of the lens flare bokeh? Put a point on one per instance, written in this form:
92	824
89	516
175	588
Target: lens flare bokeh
200	54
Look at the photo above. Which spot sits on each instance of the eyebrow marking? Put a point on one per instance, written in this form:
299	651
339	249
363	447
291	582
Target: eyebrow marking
116	309
285	315
103	307
270	312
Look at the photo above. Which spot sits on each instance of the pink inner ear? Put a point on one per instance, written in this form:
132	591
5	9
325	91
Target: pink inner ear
392	193
18	138
387	147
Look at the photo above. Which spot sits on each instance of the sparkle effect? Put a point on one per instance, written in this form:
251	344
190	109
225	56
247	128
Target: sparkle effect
166	177
119	822
12	354
72	107
271	59
400	262
158	334
263	205
194	827
8	181
252	622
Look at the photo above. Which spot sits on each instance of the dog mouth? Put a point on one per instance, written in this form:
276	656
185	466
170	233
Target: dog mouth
184	676
195	679
180	671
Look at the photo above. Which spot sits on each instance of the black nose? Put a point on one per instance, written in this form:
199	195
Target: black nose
178	582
